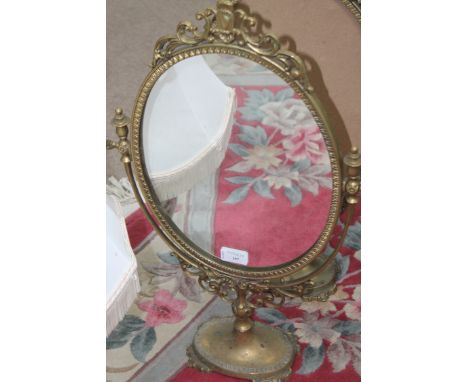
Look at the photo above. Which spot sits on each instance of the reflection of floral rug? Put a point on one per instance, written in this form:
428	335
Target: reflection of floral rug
274	188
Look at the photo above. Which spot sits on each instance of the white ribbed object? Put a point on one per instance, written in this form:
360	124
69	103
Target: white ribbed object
122	283
186	127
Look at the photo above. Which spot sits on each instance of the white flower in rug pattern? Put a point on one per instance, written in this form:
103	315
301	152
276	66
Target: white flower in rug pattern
281	177
326	337
263	157
291	178
312	177
327	306
288	116
357	255
291	171
306	143
251	111
353	309
345	350
339	340
314	330
259	156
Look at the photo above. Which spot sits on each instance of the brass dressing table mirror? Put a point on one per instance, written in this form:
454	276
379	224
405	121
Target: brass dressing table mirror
228	126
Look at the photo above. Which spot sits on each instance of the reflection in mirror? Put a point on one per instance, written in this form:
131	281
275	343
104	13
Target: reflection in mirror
237	160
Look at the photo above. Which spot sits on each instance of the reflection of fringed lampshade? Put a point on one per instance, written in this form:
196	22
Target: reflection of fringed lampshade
122	284
187	125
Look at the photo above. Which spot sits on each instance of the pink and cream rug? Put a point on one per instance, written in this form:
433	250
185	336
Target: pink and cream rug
150	343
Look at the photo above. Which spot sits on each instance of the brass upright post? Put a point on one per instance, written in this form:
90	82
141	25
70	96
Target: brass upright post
352	184
243	311
121	122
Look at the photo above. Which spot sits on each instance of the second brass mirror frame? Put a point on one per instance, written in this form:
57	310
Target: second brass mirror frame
228	30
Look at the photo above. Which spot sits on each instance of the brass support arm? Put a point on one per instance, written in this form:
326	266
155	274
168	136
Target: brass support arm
351	190
121	122
352	182
242	310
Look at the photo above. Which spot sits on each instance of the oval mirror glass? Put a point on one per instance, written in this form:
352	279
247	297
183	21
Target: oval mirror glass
237	160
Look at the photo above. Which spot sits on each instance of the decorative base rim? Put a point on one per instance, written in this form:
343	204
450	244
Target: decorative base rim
264	354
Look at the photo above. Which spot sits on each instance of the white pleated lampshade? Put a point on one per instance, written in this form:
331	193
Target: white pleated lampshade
122	283
186	127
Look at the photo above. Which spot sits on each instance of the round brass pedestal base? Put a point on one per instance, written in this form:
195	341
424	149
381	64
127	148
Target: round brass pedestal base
263	354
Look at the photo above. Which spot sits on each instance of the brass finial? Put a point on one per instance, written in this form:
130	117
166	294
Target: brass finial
353	159
120	119
121	122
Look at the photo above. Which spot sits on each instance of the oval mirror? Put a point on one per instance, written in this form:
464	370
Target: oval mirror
237	160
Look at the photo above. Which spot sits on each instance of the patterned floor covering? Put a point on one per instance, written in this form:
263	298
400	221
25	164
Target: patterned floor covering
267	163
149	344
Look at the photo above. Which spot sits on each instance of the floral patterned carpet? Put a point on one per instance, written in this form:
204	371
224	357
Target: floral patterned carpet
328	332
268	163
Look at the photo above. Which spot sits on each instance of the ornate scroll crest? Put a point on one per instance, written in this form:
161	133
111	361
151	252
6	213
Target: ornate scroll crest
228	25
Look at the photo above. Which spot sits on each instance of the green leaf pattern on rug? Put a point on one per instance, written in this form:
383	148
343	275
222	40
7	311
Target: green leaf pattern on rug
124	331
353	238
275	317
169	270
252	111
262	188
169	258
343	265
270	315
312	359
294	195
255	136
142	344
347	328
238	195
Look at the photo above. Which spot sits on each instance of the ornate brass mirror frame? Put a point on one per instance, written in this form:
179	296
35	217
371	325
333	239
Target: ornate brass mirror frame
239	347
